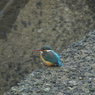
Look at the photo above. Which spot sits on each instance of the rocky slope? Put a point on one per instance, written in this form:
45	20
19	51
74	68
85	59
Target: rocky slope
75	77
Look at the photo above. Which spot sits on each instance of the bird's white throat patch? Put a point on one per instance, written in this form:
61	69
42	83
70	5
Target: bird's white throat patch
41	51
49	50
46	51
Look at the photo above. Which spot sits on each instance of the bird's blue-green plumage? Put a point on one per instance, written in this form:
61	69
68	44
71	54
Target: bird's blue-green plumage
52	57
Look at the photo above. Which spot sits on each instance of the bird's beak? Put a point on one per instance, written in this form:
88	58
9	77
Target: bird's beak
38	50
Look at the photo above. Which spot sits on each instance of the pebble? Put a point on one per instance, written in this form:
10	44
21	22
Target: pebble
32	75
47	89
80	78
70	88
40	30
36	83
72	83
48	84
22	89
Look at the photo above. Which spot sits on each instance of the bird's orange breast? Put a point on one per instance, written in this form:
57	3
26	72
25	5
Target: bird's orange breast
47	63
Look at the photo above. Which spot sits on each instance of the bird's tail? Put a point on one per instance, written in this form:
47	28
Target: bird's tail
59	63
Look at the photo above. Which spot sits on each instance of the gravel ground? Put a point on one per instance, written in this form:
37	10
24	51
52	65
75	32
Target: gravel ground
75	77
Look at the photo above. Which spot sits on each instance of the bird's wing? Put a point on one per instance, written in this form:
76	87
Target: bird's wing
51	56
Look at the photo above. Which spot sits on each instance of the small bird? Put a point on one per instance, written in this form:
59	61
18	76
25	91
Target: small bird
49	57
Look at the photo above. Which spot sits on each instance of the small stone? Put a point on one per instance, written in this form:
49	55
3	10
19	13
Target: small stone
53	81
87	74
70	88
40	30
38	91
92	89
22	89
72	83
47	89
32	74
24	93
13	88
36	83
39	82
56	88
48	72
80	78
48	84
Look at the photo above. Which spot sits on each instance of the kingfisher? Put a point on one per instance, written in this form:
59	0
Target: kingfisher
49	57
